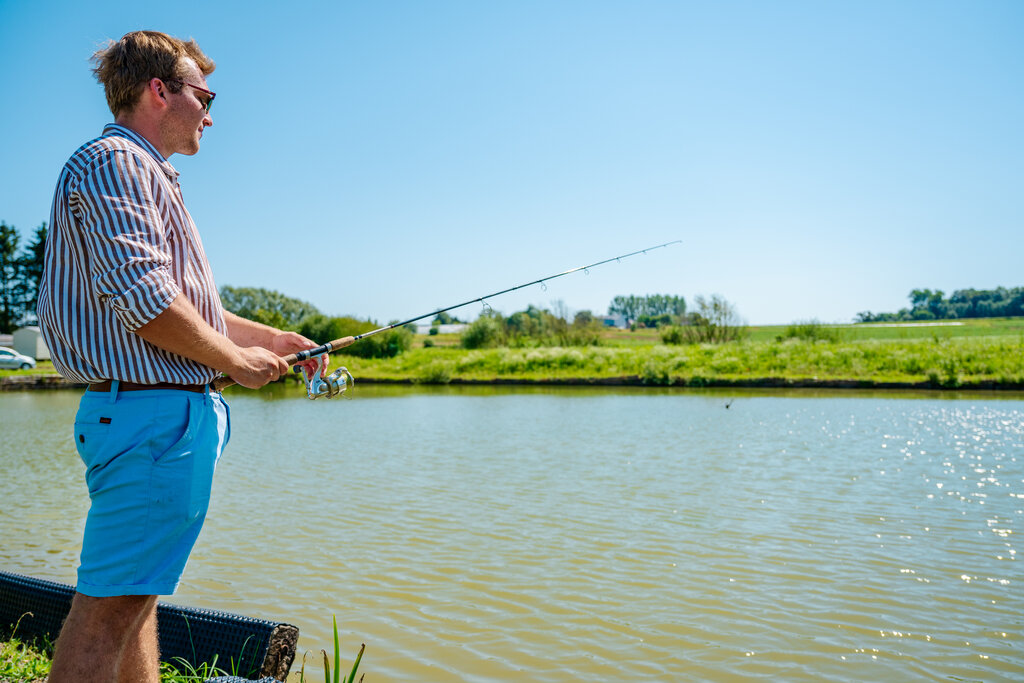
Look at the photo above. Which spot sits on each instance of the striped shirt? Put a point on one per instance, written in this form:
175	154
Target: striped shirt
121	247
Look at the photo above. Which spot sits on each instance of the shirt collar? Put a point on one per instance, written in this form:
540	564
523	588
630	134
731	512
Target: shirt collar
165	166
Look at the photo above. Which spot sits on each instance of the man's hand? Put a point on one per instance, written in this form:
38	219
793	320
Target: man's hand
256	366
287	343
247	334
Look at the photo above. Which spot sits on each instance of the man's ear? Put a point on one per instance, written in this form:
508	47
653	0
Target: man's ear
156	92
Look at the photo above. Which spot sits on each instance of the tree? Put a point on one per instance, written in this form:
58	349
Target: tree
583	319
30	273
267	306
560	310
443	318
715	321
10	311
652	306
927	304
626	306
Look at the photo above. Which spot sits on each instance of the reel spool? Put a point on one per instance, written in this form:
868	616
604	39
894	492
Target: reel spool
330	386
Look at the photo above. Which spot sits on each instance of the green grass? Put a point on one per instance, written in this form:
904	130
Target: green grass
971	327
43	367
978	352
937	329
936	361
22	662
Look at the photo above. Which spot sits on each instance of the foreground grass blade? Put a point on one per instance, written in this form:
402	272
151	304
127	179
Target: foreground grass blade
337	651
352	674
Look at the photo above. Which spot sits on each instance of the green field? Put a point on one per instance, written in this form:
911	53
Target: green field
943	329
939	329
986	353
976	353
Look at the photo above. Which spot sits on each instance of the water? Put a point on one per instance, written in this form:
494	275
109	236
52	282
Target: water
592	535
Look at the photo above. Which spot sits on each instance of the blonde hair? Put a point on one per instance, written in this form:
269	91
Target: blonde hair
126	65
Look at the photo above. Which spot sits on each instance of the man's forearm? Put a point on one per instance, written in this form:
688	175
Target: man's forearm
249	332
182	331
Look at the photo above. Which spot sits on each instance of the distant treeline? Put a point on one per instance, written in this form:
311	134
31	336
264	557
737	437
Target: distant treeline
927	304
20	272
652	310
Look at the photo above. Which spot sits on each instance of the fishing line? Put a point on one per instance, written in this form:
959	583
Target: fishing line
335	383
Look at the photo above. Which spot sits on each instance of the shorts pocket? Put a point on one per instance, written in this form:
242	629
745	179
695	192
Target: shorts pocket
89	439
173	427
93	423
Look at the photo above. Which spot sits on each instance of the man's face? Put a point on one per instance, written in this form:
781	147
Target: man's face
186	116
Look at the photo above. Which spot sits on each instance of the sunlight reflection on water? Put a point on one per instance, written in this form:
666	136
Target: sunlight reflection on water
480	535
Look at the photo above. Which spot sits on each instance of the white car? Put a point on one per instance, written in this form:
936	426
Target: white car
9	358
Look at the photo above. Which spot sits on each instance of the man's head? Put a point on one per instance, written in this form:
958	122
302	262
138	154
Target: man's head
126	66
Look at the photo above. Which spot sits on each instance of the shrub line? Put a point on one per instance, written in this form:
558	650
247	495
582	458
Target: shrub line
690	382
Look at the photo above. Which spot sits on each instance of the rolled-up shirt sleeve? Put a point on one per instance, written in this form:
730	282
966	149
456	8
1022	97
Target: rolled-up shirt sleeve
126	238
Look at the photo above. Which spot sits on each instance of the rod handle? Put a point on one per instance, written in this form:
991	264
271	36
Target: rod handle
222	383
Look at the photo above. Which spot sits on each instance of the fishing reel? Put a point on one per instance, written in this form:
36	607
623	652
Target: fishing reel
330	386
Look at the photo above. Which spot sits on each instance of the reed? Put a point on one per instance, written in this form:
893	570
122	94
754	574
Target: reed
351	677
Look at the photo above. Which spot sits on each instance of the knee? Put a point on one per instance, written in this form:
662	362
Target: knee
118	612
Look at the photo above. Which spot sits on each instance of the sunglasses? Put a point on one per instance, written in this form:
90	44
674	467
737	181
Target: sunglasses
209	101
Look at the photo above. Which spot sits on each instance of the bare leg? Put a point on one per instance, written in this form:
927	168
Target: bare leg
140	660
97	635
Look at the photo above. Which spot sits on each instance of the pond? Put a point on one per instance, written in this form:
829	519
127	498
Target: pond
495	534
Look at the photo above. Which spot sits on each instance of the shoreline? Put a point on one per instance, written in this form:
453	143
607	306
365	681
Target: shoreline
43	382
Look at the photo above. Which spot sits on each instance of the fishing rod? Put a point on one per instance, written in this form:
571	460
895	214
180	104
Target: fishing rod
337	381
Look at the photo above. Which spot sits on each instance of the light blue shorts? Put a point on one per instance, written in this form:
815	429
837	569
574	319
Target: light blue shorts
149	458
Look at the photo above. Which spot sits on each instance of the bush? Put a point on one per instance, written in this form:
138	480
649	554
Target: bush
580	335
484	333
389	344
715	321
812	330
438	372
384	345
673	334
656	372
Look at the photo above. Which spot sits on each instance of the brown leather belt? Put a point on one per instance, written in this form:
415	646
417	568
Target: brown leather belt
132	386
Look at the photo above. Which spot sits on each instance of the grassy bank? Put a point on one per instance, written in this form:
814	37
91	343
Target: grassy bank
951	354
996	361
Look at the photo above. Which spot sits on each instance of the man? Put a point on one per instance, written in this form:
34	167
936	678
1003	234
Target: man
128	305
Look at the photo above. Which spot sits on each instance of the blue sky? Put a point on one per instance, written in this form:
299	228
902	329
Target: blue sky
386	159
